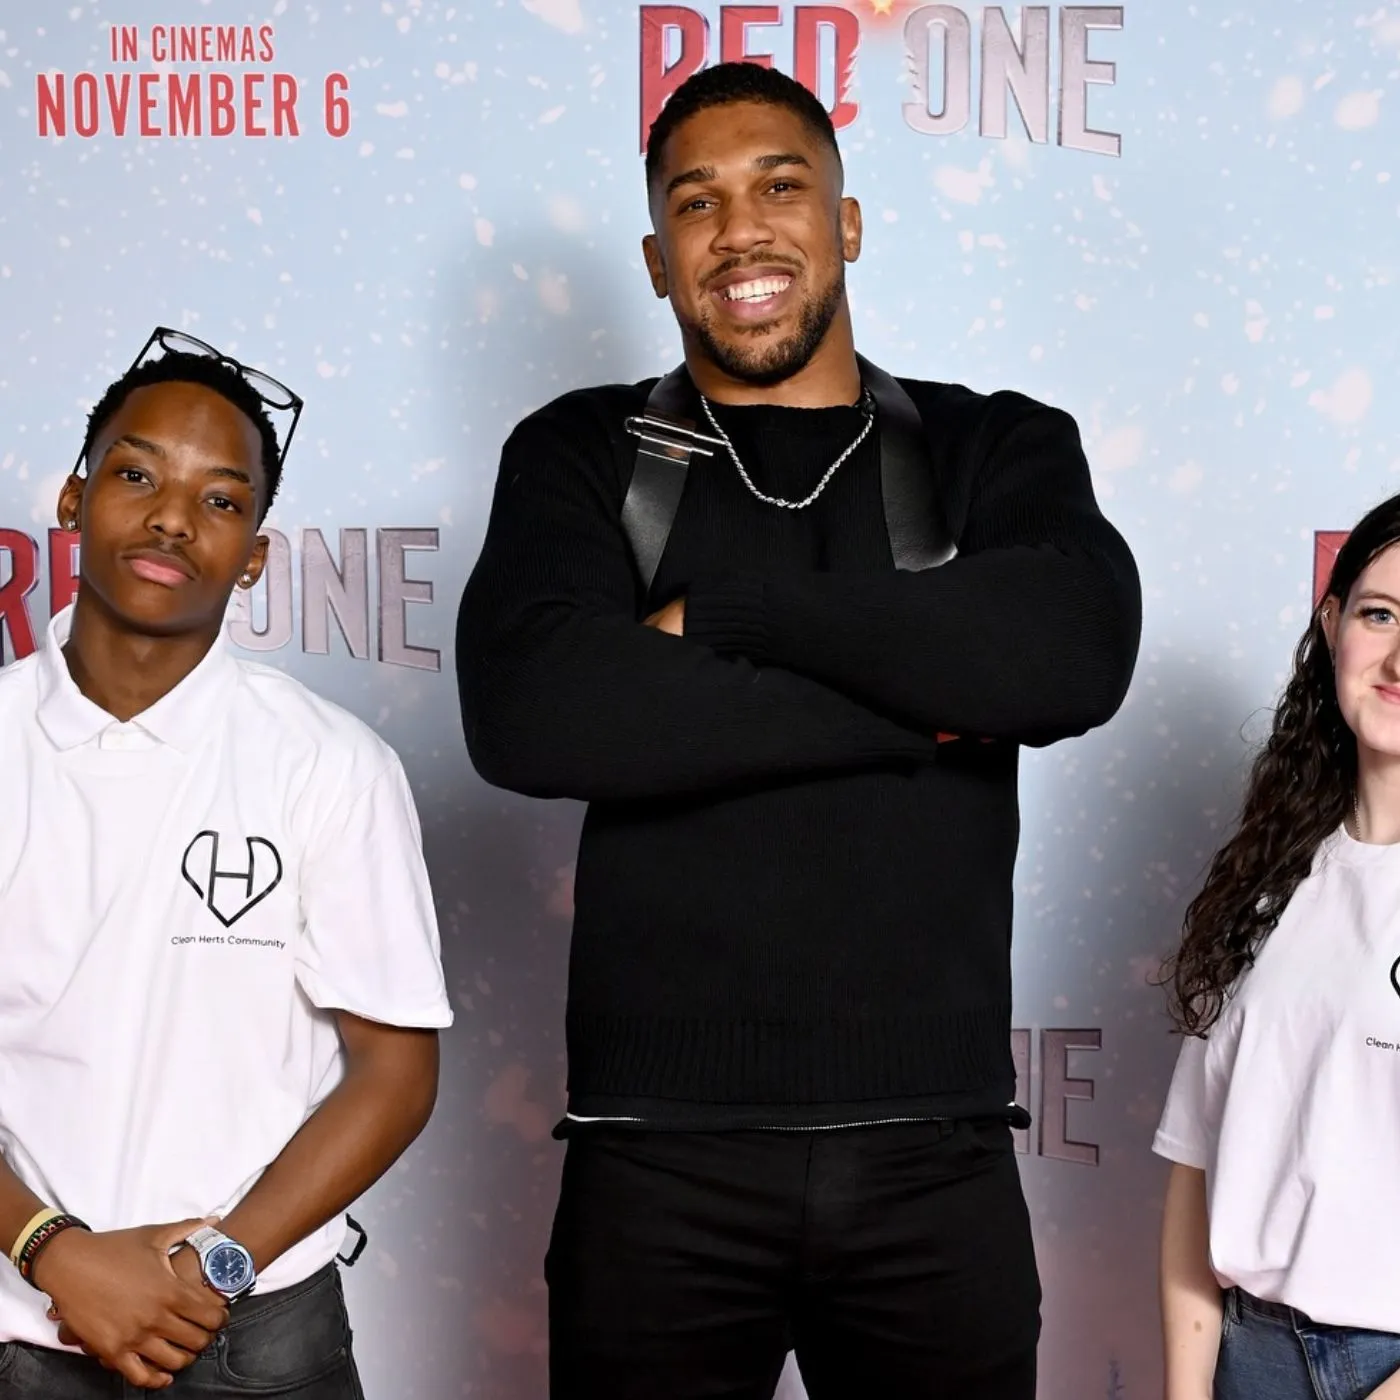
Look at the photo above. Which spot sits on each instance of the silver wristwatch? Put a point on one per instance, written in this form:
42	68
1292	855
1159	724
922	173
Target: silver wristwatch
227	1267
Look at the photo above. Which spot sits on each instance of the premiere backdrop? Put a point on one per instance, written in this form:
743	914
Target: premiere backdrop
1181	226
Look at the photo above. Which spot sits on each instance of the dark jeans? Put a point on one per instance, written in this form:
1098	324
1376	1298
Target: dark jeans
294	1345
1272	1352
895	1261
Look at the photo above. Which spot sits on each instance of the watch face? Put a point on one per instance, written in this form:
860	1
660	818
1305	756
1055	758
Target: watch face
229	1268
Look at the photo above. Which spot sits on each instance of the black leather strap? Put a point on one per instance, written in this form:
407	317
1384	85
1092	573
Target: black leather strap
658	475
920	537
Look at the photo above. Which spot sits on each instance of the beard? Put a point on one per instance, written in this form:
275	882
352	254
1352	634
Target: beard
771	364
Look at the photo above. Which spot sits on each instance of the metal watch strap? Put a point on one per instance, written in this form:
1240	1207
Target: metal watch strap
200	1239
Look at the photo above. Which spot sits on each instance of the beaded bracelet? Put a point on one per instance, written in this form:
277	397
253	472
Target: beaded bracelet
39	1238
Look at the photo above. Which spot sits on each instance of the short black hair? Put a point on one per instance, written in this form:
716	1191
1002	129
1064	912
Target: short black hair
736	82
176	367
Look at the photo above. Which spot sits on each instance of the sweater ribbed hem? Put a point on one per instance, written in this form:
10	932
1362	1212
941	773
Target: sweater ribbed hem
787	1062
727	614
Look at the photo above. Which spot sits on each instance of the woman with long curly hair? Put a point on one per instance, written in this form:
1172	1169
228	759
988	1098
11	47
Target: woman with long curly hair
1281	1236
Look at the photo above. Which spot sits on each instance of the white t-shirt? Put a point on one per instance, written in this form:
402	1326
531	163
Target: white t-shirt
184	900
1292	1104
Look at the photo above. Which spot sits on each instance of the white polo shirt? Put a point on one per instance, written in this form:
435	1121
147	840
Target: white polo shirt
1292	1104
185	900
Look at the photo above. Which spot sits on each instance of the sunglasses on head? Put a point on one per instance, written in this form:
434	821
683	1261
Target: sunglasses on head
271	391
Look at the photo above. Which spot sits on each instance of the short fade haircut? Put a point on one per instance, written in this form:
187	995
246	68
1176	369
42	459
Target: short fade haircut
177	367
728	83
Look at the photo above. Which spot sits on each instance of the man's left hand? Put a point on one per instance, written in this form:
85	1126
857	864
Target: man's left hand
185	1263
670	619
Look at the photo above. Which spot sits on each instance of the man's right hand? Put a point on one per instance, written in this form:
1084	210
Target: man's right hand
118	1297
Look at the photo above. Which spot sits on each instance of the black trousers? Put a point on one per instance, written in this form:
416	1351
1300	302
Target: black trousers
896	1261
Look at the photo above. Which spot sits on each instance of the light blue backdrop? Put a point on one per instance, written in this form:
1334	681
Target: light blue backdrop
1216	306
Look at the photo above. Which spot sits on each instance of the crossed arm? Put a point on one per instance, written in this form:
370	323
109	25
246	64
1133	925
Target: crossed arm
1029	635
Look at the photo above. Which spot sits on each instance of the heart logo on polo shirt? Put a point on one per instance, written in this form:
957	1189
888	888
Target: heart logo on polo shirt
227	893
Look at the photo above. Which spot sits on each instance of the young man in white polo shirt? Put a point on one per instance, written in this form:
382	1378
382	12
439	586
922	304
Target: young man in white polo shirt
220	984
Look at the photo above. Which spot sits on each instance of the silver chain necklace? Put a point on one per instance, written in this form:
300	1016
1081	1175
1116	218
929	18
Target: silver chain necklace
866	405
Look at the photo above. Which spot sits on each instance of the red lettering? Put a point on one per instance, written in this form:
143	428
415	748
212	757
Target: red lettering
228	45
50	94
266	53
1326	543
659	80
252	104
184	106
24	574
148	83
63	569
118	100
159	50
734	22
808	23
222	118
85	118
284	105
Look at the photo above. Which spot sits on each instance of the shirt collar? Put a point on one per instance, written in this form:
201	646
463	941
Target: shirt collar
182	718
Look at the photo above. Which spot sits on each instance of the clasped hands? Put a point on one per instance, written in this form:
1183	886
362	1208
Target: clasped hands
124	1299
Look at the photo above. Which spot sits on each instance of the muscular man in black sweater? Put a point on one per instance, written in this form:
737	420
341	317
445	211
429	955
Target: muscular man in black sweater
790	1079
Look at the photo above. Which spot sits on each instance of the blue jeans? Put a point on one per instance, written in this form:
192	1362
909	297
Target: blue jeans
291	1345
1272	1352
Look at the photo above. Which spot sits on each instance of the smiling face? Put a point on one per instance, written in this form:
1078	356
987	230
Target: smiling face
1364	635
751	240
169	510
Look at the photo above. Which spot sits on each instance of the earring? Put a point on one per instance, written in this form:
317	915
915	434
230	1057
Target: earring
247	580
70	524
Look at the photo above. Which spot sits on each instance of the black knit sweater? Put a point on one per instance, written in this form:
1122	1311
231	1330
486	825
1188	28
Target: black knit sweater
793	903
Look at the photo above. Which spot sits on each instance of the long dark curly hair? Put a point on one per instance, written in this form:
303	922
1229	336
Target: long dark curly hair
1301	786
